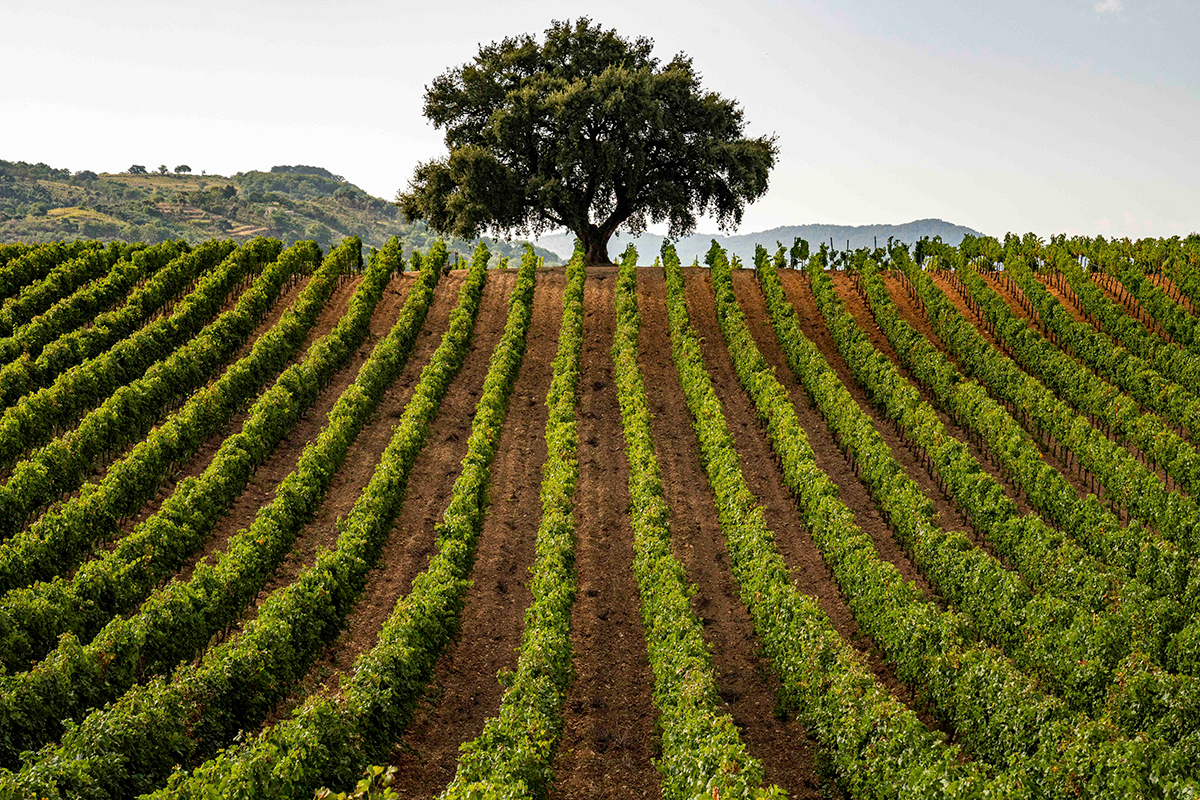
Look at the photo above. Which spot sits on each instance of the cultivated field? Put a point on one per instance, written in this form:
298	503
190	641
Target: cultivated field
271	516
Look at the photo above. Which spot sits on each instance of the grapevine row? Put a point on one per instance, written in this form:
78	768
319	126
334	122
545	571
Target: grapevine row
702	752
328	740
1169	359
12	250
72	318
131	746
98	260
1130	372
1149	699
1086	616
60	282
133	409
1094	526
81	306
513	755
1004	714
59	538
1184	271
1126	481
877	745
1091	396
176	623
1182	326
152	299
120	578
36	262
33	419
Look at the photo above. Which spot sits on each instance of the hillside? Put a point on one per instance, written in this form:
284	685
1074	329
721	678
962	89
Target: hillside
39	203
824	525
742	245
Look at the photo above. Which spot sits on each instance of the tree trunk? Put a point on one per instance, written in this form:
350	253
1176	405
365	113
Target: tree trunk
595	247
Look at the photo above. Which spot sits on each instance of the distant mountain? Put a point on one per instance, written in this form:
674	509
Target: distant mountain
742	245
40	203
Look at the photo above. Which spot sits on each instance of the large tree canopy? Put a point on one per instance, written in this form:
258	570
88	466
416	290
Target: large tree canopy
588	132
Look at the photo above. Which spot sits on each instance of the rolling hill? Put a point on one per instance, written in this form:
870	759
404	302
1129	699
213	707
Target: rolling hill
40	203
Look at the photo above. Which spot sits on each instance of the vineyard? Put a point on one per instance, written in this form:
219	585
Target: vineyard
898	522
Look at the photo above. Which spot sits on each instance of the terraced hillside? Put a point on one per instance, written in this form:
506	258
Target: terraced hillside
273	517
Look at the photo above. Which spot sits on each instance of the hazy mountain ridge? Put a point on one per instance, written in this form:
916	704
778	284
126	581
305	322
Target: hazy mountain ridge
695	246
40	203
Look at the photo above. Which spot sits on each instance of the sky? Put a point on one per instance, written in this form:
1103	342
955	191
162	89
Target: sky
1058	116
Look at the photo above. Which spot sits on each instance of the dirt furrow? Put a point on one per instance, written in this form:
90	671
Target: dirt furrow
608	738
1067	299
1129	304
431	480
1165	283
854	492
493	618
363	454
272	316
1009	294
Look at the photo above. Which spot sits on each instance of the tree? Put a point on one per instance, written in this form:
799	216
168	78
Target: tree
137	169
586	131
162	169
182	168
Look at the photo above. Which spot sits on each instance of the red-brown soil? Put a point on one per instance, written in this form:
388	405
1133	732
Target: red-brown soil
1114	291
1011	294
467	690
431	479
950	516
609	741
608	736
1067	298
199	461
1167	285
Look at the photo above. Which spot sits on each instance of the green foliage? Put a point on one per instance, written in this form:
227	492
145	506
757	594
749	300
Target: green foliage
877	745
586	131
513	756
177	622
1164	571
327	740
1004	715
1133	374
125	416
35	263
35	298
36	616
702	752
284	202
172	267
34	418
161	724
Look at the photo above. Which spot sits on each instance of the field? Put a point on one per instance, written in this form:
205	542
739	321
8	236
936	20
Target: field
269	517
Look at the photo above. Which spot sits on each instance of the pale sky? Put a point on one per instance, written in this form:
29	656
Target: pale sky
1077	116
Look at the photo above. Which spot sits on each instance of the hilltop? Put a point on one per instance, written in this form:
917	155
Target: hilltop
40	203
